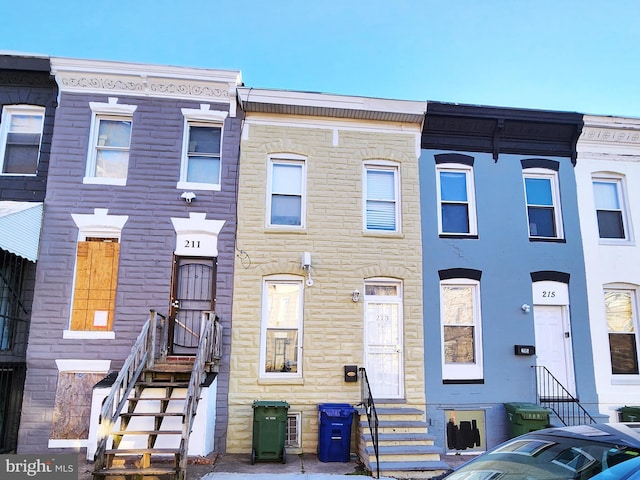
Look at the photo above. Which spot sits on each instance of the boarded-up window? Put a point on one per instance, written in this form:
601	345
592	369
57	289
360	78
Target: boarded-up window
72	407
96	280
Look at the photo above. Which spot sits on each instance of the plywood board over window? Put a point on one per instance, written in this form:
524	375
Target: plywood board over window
74	388
96	280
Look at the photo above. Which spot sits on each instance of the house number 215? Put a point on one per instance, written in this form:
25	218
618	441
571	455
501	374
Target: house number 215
548	294
192	244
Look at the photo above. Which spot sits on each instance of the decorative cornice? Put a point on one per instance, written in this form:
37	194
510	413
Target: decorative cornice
610	136
26	79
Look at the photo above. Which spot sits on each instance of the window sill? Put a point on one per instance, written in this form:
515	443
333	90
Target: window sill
625	380
4	174
104	181
478	381
618	242
281	381
549	240
87	335
198	186
285	229
459	236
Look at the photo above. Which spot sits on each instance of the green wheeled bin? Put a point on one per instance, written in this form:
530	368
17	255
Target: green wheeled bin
629	414
269	431
526	417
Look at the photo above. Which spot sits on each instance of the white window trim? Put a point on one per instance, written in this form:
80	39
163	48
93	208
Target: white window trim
203	117
471	198
552	175
297	418
283	159
470	371
7	112
616	378
105	111
263	327
621	185
383	166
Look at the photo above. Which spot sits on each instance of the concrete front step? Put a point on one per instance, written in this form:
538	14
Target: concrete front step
405	453
398	426
400	439
396	413
415	469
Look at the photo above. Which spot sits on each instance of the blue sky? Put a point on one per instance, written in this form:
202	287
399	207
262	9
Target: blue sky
569	55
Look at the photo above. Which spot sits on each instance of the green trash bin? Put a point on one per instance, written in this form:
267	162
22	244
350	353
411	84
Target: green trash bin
629	414
269	431
526	417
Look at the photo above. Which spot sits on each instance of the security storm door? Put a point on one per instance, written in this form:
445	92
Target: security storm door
553	343
383	339
193	293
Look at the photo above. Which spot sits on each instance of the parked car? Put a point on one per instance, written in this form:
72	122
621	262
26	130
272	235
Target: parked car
629	470
578	452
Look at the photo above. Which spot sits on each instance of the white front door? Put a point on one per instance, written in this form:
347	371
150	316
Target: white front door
383	340
553	343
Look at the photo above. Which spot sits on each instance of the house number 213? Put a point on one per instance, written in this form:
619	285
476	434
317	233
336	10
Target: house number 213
192	244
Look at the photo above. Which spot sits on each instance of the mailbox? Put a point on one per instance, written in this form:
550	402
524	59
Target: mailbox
525	349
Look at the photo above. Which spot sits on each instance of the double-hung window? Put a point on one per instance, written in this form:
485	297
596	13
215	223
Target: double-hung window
281	345
110	142
610	211
20	138
201	166
461	329
622	320
543	203
286	193
456	212
382	198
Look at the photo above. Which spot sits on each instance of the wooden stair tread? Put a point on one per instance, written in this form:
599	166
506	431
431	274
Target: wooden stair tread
163	384
147	432
142	451
107	472
152	414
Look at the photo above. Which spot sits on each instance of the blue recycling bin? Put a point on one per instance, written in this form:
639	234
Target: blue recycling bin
334	431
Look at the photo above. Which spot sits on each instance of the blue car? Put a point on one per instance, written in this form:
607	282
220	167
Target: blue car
578	452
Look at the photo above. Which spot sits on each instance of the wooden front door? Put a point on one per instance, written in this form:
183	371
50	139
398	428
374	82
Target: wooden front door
193	293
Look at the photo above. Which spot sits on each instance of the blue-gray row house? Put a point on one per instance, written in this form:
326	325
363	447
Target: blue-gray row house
27	109
505	304
140	217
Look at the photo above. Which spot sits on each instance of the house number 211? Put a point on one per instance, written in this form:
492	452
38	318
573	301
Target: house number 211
192	244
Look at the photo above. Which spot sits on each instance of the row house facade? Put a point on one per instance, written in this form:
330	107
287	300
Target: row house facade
140	216
607	172
505	297
27	104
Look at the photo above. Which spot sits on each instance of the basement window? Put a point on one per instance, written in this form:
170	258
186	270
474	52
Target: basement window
293	430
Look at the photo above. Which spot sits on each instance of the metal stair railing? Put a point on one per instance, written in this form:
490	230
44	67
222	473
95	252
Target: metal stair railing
372	415
142	356
209	348
552	394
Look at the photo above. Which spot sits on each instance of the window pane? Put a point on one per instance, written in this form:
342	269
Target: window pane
21	158
112	163
114	133
204	170
23	144
283	311
624	356
619	311
539	191
282	351
459	345
380	185
381	290
25	123
287	179
204	140
381	215
541	222
610	224
457	304
453	186
286	210
606	195
455	218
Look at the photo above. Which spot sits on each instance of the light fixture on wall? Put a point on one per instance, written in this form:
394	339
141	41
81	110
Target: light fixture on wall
526	308
188	196
355	295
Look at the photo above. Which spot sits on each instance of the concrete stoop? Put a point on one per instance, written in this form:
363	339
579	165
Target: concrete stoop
405	449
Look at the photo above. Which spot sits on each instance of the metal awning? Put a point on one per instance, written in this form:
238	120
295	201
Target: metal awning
20	224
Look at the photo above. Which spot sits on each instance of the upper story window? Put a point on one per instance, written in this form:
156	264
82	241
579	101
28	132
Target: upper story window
201	166
456	197
382	197
609	201
286	192
542	195
622	323
461	329
110	141
281	340
20	136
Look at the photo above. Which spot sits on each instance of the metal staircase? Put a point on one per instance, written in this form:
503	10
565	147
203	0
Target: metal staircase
393	440
553	395
147	418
